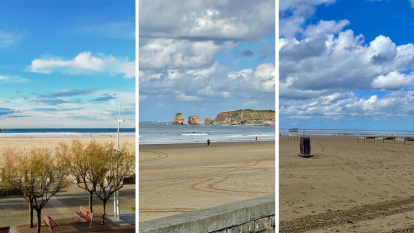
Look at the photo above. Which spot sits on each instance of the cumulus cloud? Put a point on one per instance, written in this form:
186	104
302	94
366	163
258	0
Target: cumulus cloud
178	54
345	105
216	80
182	53
343	62
325	27
392	81
324	67
211	20
83	63
294	14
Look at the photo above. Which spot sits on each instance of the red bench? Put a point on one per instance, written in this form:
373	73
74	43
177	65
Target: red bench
4	229
85	216
49	221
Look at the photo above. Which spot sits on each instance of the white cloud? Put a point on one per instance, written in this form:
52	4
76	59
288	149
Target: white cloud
216	20
178	54
345	105
328	73
85	62
343	62
184	97
382	49
392	81
412	3
325	27
294	14
264	78
214	81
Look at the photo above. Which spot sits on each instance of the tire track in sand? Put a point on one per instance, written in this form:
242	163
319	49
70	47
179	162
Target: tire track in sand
209	183
339	217
160	155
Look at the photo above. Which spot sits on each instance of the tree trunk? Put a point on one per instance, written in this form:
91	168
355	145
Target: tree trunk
90	201
39	220
31	213
103	212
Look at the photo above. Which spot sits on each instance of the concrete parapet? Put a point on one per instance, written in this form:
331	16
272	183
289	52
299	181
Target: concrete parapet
253	215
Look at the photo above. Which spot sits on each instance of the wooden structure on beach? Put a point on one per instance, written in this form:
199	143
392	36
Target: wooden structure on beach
293	134
392	138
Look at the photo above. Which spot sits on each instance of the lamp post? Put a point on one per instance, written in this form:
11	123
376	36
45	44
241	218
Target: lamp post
116	194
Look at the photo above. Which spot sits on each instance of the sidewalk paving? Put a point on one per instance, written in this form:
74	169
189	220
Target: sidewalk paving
14	210
71	225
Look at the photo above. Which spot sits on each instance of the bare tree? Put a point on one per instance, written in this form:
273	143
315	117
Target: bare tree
37	176
112	171
81	159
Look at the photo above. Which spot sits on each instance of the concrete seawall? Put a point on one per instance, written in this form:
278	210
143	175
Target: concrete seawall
253	215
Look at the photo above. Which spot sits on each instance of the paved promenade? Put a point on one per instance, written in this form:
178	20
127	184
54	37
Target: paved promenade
14	210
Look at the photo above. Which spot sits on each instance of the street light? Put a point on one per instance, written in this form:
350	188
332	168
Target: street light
116	194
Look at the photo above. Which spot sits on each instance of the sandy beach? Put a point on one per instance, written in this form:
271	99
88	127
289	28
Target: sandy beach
26	143
348	186
14	209
185	177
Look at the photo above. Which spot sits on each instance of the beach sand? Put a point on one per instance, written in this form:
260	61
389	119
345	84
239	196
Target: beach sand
26	143
348	186
14	209
179	178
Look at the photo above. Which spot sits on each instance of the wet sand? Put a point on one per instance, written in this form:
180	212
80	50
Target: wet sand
348	186
184	177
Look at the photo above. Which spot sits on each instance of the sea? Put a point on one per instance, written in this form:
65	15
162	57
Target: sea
67	132
350	132
167	133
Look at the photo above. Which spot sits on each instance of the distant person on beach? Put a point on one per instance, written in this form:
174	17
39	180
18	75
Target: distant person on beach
256	139
208	142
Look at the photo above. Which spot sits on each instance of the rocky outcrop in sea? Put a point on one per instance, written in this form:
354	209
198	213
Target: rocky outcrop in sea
238	117
208	121
178	119
193	120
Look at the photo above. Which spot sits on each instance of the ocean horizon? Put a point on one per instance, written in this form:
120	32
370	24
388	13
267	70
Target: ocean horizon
67	132
167	133
349	132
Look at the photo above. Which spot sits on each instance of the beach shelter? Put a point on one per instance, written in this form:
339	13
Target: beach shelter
293	134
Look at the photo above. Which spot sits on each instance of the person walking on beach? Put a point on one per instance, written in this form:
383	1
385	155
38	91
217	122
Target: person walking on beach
256	140
208	142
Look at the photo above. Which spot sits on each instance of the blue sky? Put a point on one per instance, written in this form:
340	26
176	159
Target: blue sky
346	64
205	57
66	63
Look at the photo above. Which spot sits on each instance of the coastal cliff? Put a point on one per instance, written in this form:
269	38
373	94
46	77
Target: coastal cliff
246	117
238	117
178	119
